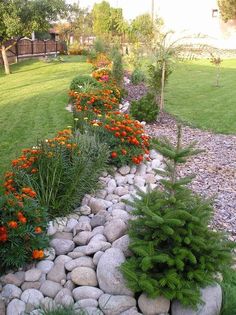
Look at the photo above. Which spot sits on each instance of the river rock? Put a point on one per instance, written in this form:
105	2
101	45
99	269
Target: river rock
97	205
45	265
83	303
115	229
115	304
50	288
57	273
212	300
153	306
110	278
10	291
33	274
123	244
16	307
84	276
32	297
62	246
124	170
86	292
80	262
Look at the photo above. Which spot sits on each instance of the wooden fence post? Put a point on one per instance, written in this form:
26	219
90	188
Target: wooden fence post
45	46
32	47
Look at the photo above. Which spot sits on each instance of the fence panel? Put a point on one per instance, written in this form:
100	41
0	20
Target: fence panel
51	46
39	46
25	47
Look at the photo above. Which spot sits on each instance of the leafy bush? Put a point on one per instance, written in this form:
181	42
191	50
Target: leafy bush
175	253
22	227
80	82
137	76
100	46
144	109
61	170
117	67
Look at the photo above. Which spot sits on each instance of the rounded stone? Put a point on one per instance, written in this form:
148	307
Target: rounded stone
16	307
153	306
31	285
86	292
62	246
33	275
97	256
57	273
115	229
84	276
50	288
45	265
110	278
115	304
80	262
124	170
86	303
10	291
32	296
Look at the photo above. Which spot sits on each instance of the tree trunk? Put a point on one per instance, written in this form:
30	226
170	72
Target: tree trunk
5	60
162	88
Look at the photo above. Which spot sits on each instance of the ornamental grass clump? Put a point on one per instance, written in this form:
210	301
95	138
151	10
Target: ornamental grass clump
60	171
22	227
175	252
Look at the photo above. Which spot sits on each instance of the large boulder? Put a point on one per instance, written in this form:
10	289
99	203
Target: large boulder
110	278
212	300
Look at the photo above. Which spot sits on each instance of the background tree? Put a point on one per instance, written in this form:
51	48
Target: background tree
142	29
101	14
20	18
227	9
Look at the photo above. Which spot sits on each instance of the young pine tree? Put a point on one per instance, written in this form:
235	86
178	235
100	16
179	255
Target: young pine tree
175	253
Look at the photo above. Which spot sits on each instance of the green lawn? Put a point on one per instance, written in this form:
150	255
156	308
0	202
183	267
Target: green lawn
192	97
32	103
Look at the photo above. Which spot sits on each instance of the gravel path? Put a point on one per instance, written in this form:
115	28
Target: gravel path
215	169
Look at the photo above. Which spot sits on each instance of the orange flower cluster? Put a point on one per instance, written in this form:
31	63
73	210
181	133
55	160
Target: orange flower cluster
131	138
37	254
100	61
102	75
3	234
98	102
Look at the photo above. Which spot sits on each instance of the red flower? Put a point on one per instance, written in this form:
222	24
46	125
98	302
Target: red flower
114	155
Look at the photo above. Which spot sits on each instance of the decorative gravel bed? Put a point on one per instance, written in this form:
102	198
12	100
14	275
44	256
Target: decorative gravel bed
215	168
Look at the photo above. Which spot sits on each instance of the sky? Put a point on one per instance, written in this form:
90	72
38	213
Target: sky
131	8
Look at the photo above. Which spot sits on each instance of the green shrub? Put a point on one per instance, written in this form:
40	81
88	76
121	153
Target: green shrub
62	310
22	230
144	109
80	82
117	67
100	46
137	76
229	292
175	253
66	168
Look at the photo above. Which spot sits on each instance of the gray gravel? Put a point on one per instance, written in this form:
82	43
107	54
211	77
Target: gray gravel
215	169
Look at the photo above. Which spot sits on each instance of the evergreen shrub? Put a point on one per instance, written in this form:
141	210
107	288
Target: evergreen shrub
144	109
137	76
175	252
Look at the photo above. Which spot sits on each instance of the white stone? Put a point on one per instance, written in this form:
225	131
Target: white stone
97	256
50	253
120	180
51	230
115	229
64	297
212	300
50	288
82	238
130	179
121	191
112	197
84	276
85	210
86	292
62	246
96	246
156	163
80	262
71	224
120	214
134	311
57	273
97	230
45	265
153	306
83	303
139	181
141	170
101	194
124	170
62	259
123	244
10	291
150	178
110	278
15	307
97	205
32	296
33	274
111	185
82	226
115	304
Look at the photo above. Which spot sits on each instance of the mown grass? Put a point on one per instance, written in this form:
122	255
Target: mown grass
32	103
191	95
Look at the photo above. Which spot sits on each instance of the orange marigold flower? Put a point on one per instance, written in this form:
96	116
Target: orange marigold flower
114	154
38	230
22	219
37	254
12	224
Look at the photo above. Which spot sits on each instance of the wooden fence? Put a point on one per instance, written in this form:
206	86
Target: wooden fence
26	48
